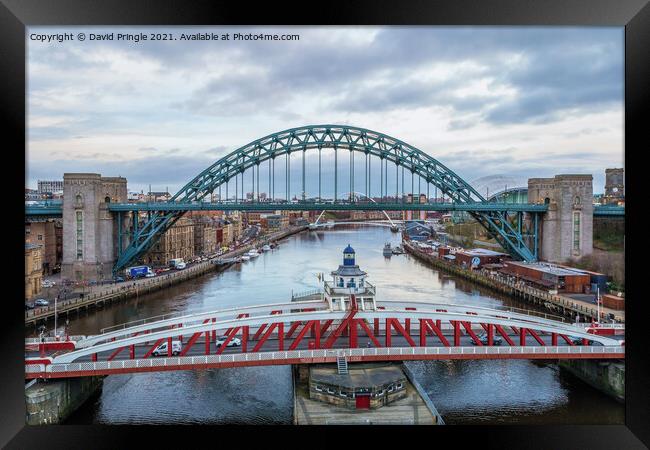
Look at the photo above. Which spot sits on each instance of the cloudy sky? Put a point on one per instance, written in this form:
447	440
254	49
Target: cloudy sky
484	101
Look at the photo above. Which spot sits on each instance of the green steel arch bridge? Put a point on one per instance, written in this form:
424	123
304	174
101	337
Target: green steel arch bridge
513	225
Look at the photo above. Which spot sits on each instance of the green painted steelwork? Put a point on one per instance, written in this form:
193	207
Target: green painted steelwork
494	217
355	139
609	210
329	206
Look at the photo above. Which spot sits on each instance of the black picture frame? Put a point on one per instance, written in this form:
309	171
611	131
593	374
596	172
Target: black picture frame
634	15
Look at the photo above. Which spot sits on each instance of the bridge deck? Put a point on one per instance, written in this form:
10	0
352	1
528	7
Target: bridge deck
55	209
308	332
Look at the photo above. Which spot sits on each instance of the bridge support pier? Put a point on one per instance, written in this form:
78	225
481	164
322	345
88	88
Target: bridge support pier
567	227
53	401
90	231
606	376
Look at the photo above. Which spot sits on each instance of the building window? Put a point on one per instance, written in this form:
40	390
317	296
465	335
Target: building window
107	199
576	201
40	237
79	234
576	230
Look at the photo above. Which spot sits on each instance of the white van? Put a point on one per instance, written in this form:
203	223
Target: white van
161	350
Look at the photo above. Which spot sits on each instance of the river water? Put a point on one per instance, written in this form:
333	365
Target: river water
465	392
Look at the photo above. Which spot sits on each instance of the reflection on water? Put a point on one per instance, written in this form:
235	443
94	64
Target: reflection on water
463	391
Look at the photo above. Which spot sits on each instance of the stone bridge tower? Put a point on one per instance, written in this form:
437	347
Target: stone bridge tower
89	229
566	230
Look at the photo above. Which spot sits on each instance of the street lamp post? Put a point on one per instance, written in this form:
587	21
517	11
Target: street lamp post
598	304
55	302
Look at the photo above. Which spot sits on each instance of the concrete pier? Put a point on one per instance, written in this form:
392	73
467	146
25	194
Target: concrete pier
606	376
413	408
53	401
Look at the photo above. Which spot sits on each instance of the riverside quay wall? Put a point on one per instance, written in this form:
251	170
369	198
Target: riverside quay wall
53	401
606	376
553	302
144	286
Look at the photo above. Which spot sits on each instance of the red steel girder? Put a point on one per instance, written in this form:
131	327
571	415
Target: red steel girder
427	326
504	334
193	339
280	327
294	326
261	329
468	329
568	341
394	323
371	335
456	326
118	350
313	325
536	336
326	326
239	316
231	335
342	326
156	344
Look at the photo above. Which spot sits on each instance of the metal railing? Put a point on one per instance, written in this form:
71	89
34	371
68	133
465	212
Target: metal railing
323	355
306	293
370	289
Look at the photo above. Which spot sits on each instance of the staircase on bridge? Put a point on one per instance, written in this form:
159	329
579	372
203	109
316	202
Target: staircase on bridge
342	365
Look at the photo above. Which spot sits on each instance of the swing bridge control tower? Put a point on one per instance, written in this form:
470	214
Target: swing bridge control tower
349	288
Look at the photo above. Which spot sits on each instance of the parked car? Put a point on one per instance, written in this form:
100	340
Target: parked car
234	342
161	350
150	275
29	306
118	279
41	302
496	340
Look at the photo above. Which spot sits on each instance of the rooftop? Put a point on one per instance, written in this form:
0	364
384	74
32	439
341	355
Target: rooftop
349	271
548	268
481	252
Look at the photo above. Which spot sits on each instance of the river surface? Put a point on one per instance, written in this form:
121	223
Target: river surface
465	392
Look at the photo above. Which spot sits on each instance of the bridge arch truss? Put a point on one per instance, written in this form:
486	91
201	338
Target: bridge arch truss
508	230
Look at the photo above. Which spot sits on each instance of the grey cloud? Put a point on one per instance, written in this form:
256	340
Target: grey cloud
563	71
567	69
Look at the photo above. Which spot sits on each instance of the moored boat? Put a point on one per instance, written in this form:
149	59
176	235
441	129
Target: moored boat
387	250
